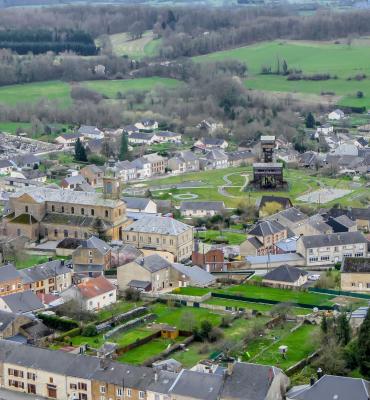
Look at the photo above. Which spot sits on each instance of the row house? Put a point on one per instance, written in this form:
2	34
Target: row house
158	164
10	280
332	248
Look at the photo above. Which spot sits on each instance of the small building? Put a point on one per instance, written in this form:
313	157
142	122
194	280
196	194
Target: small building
158	164
11	324
21	303
336	115
167	137
69	139
147	125
71	182
211	143
93	175
342	224
240	157
200	209
285	276
6	167
90	132
140	204
325	129
93	293
214	159
141	138
355	274
29	174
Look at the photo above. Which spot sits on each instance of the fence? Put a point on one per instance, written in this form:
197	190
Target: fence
128	325
273	302
121	318
340	293
137	343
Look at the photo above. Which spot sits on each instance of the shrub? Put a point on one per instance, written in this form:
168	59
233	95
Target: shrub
215	334
54	322
89	331
132	294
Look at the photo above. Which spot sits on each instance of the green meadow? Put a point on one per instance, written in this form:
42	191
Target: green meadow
339	60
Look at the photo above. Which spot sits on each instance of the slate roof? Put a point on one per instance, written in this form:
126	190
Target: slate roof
249	381
240	155
6	318
95	243
285	202
25	159
292	214
356	265
202	205
139	203
70	180
5	164
165	380
8	273
333	387
88	130
285	273
215	154
155	224
345	221
141	136
44	271
153	263
333	239
75	220
188	156
139	284
196	275
67	136
213	141
23	302
266	228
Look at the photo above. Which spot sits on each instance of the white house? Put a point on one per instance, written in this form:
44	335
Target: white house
68	139
141	138
167	137
336	115
143	168
93	293
325	129
140	204
91	132
126	171
147	125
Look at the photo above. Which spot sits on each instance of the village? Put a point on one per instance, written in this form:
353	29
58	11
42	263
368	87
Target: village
173	268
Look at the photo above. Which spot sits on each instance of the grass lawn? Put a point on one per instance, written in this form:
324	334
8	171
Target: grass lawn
34	92
174	315
111	88
301	344
27	261
310	57
117	308
192	291
11	127
230	237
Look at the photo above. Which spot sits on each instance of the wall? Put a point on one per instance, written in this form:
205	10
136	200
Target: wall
361	282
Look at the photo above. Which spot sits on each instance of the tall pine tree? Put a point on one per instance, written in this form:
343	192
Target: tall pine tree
310	121
123	150
364	346
80	152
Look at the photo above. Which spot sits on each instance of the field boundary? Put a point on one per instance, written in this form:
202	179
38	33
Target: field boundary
340	293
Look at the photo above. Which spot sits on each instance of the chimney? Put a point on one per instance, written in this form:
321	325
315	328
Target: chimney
319	373
312	380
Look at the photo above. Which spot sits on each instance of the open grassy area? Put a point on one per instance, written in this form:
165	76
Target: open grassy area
310	57
146	46
116	309
11	127
27	260
230	237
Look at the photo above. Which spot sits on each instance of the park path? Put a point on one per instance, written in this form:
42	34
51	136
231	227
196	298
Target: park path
222	189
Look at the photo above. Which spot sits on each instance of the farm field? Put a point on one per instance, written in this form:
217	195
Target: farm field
146	46
310	57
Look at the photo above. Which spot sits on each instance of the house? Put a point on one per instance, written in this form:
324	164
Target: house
92	256
161	233
69	139
209	257
140	204
130	129
90	132
142	167
158	164
210	126
50	277
310	159
167	137
360	215
214	159
211	143
332	387
165	378
283	202
325	129
332	248
27	161
346	149
147	125
185	275
336	115
262	238
177	165
141	138
191	160
6	167
285	276
93	175
355	274
84	187
21	303
342	224
10	280
200	209
94	146
93	293
294	220
71	182
126	170
240	157
29	174
361	142
11	323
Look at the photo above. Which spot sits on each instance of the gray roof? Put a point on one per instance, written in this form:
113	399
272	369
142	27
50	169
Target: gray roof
188	155
216	154
197	385
6	318
42	194
70	180
136	202
165	380
345	221
356	265
203	205
139	284
274	258
141	136
285	273
95	243
155	224
266	228
333	239
25	159
88	130
292	214
5	164
8	273
268	165
240	155
333	387
47	270
168	134
197	275
153	263
23	302
249	381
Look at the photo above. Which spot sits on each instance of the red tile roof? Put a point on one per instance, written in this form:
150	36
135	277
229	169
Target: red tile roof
95	286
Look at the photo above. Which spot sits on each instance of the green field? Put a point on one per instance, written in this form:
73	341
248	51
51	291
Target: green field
11	127
311	57
146	46
231	237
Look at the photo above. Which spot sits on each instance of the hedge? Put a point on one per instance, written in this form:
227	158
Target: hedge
61	324
72	333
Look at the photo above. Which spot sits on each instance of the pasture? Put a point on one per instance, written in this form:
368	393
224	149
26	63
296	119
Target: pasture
339	60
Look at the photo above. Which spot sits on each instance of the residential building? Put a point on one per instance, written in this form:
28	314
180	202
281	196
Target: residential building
6	167
346	149
90	132
140	204
325	129
332	248
71	182
310	159
285	276
336	115
69	139
50	277
12	184
332	387
360	215
167	137
262	239
92	256
191	160
126	171
29	174
294	220
161	233
21	303
10	280
200	209
214	159
209	257
11	324
159	388
211	143
93	293
56	213
27	161
342	224
147	125
141	138
177	165
143	168
355	274
158	164
240	157
93	175
130	129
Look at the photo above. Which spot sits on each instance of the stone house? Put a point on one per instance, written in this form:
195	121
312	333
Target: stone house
285	276
140	204
240	157
10	280
147	125
209	257
214	159
68	139
355	274
93	175
11	323
90	132
158	164
199	209
71	182
160	233
332	248
21	303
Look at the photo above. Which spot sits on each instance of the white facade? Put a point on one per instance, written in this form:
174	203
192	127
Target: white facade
325	129
336	115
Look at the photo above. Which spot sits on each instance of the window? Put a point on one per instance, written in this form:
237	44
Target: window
76	234
347	255
90	260
19	232
353	284
52	208
128	392
102	389
85	235
336	248
73	386
119	391
325	258
82	211
55	232
72	210
157	240
368	285
106	213
46	231
82	396
82	386
26	209
51	380
171	242
359	254
313	259
92	211
141	395
62	209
